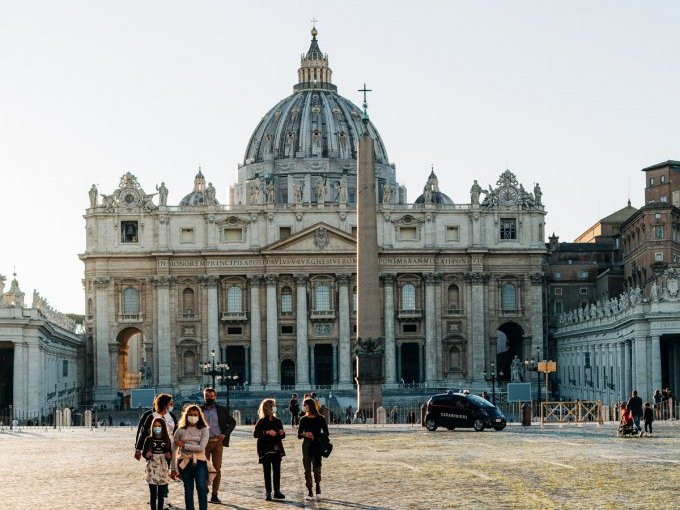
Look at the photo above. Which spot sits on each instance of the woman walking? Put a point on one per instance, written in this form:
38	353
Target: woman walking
188	456
156	450
269	433
312	425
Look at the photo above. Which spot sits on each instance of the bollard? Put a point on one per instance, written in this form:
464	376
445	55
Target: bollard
237	416
423	412
87	418
526	415
381	416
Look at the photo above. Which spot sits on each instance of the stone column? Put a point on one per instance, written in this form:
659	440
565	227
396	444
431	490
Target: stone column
255	332
628	372
103	392
301	346
114	351
619	364
211	284
656	364
477	307
430	327
273	381
312	372
399	374
536	298
344	344
640	346
390	347
246	375
334	379
21	377
164	371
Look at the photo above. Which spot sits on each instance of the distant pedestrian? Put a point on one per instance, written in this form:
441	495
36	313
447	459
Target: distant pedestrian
312	426
294	408
269	433
188	456
157	451
110	421
394	415
658	404
649	418
635	406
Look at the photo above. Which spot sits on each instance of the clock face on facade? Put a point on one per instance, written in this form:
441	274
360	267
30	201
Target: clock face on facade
129	197
507	195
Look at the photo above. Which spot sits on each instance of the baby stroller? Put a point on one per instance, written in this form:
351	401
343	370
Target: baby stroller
627	429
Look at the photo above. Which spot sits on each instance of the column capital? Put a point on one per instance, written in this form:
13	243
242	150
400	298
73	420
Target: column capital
113	348
476	277
163	281
255	280
343	279
389	278
271	279
430	278
301	279
102	282
209	280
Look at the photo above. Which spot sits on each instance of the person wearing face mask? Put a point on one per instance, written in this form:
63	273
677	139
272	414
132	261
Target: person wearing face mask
221	425
157	451
162	408
269	433
188	456
311	426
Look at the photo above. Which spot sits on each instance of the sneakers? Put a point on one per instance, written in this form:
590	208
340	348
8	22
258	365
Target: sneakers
166	504
279	495
309	495
215	499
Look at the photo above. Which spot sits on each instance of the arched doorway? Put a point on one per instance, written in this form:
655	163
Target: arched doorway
509	342
288	373
129	362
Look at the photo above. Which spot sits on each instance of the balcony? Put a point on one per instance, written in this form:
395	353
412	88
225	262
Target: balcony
235	316
130	318
322	315
188	315
409	315
450	312
510	312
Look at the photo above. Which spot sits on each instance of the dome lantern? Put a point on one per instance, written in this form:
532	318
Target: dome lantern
314	72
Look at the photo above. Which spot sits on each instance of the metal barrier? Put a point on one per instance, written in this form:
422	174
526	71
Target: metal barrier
579	411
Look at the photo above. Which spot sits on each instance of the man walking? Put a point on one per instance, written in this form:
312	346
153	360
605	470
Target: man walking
221	425
635	406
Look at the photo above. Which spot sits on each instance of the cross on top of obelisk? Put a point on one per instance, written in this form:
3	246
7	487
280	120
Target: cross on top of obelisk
364	117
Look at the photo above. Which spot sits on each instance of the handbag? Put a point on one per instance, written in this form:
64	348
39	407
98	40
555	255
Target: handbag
322	446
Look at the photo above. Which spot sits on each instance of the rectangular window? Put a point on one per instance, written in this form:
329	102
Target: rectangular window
452	234
558	307
557	276
408	233
658	215
284	232
651	182
286	330
409	328
676	198
658	232
186	235
354	231
663	199
287	302
232	235
508	228
583	291
558	291
658	256
662	179
129	231
587	360
64	368
234	330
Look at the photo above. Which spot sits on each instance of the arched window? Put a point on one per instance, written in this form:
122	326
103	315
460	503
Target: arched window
189	363
130	301
90	308
188	301
286	300
454	359
322	297
408	297
454	296
508	297
234	299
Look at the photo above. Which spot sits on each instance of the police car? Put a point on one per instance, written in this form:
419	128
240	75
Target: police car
461	409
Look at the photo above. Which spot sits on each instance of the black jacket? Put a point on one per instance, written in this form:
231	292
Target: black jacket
649	414
144	428
226	421
266	444
635	405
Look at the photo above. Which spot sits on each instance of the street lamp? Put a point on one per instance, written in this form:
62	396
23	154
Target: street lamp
213	369
228	379
491	377
532	365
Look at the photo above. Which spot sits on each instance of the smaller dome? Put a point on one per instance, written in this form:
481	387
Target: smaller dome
201	195
437	198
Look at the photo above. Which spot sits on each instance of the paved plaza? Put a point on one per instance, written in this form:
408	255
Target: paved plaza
371	468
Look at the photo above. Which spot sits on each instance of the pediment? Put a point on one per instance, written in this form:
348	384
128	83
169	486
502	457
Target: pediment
319	238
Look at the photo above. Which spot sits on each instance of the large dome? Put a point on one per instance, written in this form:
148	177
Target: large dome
310	135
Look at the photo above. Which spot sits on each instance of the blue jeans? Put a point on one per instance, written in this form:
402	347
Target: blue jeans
195	474
636	420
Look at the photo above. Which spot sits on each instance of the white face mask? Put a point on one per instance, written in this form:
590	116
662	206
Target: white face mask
192	419
274	409
170	409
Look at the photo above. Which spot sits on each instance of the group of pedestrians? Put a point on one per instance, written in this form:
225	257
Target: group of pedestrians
191	447
632	413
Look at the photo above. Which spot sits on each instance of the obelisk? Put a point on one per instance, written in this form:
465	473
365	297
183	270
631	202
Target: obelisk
369	350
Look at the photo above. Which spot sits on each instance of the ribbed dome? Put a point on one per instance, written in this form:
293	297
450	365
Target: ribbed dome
437	198
200	195
311	123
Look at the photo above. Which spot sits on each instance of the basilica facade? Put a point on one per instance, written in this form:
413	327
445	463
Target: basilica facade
268	282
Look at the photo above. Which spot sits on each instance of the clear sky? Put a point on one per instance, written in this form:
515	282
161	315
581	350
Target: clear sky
577	95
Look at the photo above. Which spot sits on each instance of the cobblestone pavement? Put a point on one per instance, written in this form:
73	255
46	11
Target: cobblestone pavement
371	468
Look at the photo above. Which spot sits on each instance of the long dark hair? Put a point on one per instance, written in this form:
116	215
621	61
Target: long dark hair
311	405
164	430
